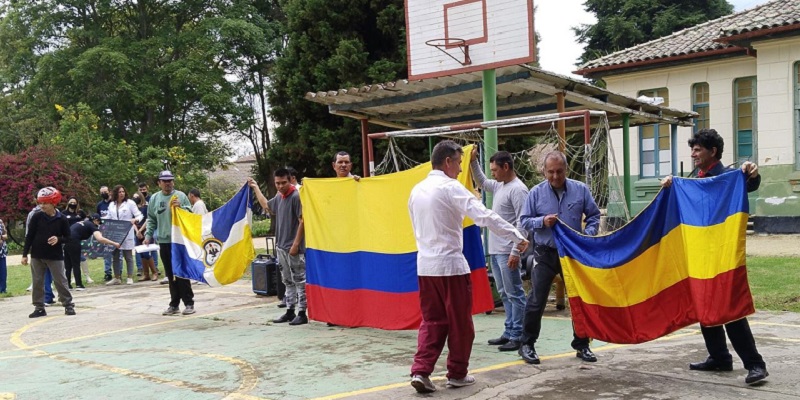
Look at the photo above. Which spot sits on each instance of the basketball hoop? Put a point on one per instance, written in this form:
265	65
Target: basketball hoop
448	43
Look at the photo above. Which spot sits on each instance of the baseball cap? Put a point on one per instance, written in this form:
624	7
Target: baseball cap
165	176
95	216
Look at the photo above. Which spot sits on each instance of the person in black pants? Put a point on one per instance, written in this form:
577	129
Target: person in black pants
556	198
707	146
79	231
159	215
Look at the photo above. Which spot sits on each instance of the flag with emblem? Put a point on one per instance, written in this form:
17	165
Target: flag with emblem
217	247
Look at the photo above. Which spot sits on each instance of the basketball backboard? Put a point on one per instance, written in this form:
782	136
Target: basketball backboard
447	37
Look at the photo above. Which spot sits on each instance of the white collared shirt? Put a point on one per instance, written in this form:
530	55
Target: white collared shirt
438	206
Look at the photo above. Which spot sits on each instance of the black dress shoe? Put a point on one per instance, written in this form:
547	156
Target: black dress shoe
528	354
756	374
499	341
711	364
288	317
586	355
512	345
300	319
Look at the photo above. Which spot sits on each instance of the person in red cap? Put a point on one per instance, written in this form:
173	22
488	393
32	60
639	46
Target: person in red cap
47	232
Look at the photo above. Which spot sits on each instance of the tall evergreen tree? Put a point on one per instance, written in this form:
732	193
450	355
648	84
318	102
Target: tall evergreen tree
330	44
625	23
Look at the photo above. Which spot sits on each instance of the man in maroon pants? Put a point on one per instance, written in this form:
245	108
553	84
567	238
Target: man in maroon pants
438	206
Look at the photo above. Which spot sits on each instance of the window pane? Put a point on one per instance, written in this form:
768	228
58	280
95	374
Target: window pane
664	156
648	132
648	144
745	122
649	170
744	88
663	143
648	157
744	110
701	93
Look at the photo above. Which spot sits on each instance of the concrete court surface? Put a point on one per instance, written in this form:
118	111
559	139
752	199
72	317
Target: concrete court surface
120	346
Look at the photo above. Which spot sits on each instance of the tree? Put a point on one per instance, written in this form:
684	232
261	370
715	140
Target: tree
154	73
330	44
625	23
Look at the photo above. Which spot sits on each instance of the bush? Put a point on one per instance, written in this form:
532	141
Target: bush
260	228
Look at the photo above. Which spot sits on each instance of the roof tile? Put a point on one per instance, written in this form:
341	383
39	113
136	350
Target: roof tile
702	38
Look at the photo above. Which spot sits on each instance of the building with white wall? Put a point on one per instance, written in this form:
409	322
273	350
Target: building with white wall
741	74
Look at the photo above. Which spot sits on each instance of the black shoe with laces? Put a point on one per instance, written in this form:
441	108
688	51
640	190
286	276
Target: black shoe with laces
69	310
300	319
39	312
288	317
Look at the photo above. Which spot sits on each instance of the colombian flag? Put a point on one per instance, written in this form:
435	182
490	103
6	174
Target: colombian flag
216	247
361	257
680	261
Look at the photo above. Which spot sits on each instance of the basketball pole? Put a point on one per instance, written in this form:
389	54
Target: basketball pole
489	114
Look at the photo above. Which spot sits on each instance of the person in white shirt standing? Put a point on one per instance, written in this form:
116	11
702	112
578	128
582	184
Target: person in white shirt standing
438	206
198	205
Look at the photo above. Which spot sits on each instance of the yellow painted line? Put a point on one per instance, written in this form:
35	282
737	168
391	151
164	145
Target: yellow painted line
7	396
17	340
16	337
495	367
774	324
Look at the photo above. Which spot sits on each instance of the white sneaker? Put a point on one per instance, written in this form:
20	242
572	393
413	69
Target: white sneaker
89	279
29	288
129	282
114	281
465	381
165	281
423	384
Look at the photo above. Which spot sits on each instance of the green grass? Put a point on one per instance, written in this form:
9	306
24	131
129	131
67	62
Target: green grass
774	281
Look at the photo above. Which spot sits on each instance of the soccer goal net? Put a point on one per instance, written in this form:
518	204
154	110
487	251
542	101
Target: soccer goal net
587	145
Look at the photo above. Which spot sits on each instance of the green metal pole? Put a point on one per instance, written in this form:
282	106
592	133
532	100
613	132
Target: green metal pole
489	114
626	157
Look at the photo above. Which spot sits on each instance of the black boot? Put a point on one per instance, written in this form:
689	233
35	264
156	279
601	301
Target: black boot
289	316
38	312
300	319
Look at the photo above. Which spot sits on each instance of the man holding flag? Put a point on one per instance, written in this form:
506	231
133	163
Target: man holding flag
159	215
707	146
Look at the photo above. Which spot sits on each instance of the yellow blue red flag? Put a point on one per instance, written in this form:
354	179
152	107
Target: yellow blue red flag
679	262
216	247
361	257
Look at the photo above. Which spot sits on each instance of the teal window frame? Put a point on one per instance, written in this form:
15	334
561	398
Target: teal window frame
657	134
796	79
698	106
745	140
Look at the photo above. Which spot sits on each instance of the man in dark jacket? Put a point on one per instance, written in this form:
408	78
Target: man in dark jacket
707	146
47	233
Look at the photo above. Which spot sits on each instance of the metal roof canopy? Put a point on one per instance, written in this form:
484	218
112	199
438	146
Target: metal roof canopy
521	91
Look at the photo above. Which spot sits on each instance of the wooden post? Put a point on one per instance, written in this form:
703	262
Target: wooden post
562	124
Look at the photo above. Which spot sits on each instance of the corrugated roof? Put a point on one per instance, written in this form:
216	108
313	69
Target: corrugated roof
705	39
521	91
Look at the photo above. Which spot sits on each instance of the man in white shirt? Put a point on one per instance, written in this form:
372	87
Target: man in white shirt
198	205
438	206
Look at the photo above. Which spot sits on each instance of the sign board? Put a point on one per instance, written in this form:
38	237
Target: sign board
113	230
448	37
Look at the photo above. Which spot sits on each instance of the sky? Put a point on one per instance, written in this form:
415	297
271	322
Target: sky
559	49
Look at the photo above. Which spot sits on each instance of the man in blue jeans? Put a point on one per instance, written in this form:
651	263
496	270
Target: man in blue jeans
509	197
